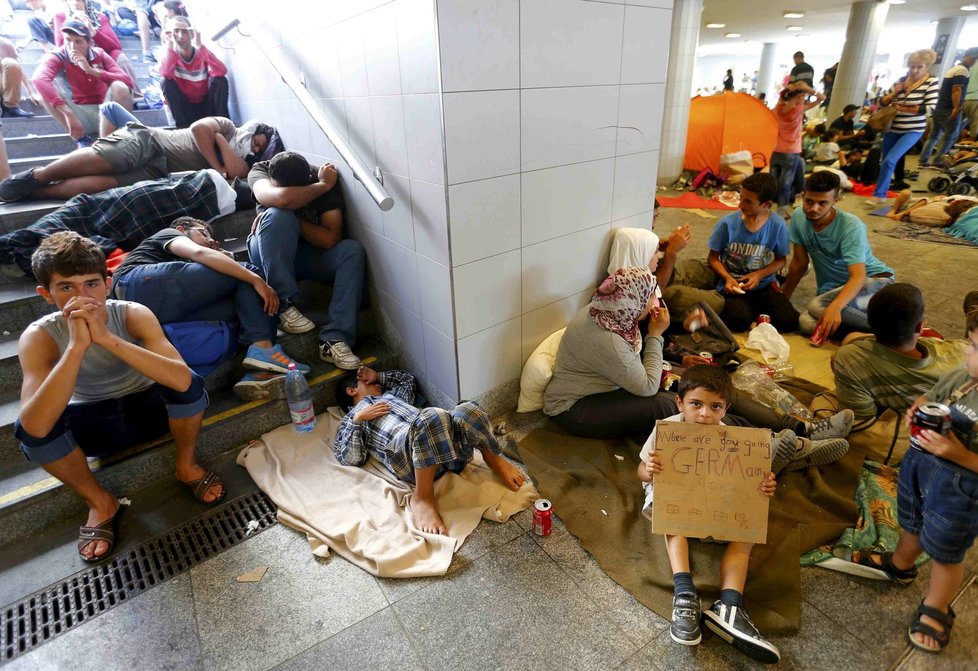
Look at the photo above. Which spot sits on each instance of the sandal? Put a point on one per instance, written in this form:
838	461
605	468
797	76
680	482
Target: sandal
918	627
199	487
902	577
105	531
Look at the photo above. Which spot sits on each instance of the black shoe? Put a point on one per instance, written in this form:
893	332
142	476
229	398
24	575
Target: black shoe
685	628
15	113
899	186
732	624
19	186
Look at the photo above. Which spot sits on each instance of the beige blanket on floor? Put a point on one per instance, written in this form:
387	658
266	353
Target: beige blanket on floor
362	513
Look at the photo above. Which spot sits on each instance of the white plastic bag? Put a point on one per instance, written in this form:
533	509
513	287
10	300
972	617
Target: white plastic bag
773	347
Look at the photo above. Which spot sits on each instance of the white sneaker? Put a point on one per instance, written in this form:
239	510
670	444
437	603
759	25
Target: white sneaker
291	320
837	426
339	354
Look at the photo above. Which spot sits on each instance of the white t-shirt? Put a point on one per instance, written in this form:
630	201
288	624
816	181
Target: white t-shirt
826	151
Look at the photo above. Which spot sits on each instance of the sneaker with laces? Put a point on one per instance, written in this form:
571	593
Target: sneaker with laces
291	320
260	385
817	452
785	447
339	354
685	627
274	359
84	141
19	186
837	426
732	624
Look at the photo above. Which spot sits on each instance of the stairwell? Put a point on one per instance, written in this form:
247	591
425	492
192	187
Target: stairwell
38	515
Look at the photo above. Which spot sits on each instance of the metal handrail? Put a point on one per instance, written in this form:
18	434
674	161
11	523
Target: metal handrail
369	178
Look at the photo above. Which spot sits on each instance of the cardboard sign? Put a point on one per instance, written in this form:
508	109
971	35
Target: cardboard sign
709	484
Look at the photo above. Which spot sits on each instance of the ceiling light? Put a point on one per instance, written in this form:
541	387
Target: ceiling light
792	27
898	2
969	8
716	25
934	22
732	35
794	15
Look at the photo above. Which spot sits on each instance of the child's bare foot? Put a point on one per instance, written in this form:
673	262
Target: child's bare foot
426	516
509	474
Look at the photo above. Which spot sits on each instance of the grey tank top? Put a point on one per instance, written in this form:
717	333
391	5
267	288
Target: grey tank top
102	374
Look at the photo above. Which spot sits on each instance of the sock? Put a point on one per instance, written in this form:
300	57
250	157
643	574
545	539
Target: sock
683	583
731	597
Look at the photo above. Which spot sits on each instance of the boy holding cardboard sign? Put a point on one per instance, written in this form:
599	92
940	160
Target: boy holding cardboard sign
703	398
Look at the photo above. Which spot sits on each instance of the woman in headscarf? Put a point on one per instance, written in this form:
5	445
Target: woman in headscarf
606	375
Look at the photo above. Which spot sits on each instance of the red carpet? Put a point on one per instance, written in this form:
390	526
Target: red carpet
691	200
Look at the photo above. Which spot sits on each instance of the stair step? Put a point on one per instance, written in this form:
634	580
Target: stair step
24	147
46	125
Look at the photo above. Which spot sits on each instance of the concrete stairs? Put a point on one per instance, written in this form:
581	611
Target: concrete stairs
30	500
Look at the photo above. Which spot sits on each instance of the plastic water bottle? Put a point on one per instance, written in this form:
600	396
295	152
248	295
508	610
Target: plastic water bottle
300	400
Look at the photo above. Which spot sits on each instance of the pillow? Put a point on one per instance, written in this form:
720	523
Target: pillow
537	371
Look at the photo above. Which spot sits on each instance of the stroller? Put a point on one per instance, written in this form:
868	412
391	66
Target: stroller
960	179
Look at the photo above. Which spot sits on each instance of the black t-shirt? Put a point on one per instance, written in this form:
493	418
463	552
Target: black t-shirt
150	250
847	126
331	200
803	72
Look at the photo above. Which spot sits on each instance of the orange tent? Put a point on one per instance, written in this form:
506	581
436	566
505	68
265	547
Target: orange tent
722	124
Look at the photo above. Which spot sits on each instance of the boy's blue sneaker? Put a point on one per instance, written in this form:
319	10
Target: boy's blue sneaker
272	359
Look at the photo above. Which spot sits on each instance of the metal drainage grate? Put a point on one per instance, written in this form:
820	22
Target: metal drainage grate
54	610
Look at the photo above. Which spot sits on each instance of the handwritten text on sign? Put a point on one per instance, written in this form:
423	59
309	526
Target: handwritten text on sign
709	481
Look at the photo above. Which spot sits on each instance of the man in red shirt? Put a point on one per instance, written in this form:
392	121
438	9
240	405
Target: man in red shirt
195	84
90	77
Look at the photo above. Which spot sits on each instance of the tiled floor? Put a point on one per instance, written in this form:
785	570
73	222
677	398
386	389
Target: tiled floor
511	600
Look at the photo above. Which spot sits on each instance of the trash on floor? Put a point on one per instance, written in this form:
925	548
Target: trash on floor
251	528
253	576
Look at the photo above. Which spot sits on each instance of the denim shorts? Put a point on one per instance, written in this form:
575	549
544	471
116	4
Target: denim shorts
938	501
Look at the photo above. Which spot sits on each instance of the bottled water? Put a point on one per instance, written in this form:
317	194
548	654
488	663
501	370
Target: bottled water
300	400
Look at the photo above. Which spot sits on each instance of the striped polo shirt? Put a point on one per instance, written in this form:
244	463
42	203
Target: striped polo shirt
924	97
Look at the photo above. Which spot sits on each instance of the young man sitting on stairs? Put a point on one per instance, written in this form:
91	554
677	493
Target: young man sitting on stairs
100	376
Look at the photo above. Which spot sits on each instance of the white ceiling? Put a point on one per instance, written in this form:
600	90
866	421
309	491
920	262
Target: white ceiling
908	26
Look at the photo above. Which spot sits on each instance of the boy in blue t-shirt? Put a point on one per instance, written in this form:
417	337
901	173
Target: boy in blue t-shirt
747	249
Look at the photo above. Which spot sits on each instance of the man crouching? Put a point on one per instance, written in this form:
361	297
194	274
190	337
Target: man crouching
416	445
100	376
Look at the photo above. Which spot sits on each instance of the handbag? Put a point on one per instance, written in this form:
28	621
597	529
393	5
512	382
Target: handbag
881	119
714	338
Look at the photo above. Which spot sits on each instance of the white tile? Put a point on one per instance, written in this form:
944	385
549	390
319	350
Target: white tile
380	53
395	269
539	324
440	362
360	127
634	183
334	109
390	141
353	68
567	125
435	281
569	43
327	80
364	210
425	143
417	46
642	220
564	266
665	4
640	112
398	221
430	221
487	292
484	218
489	358
479	43
570	198
645	51
409	334
482	134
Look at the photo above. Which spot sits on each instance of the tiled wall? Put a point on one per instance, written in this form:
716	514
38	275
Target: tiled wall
372	67
553	111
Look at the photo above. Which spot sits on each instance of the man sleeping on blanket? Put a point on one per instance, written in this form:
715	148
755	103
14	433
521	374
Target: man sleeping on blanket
416	445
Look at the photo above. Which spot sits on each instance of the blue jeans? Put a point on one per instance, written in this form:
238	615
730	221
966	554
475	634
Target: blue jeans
178	292
116	114
943	129
895	145
853	314
40	30
789	170
278	249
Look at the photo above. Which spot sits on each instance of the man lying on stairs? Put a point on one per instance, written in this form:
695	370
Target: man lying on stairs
416	445
100	376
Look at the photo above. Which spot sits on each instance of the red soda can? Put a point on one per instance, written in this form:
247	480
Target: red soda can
933	416
708	357
666	370
763	319
542	517
818	337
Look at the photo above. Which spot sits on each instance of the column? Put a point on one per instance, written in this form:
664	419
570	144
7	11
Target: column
765	73
946	43
866	21
679	83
